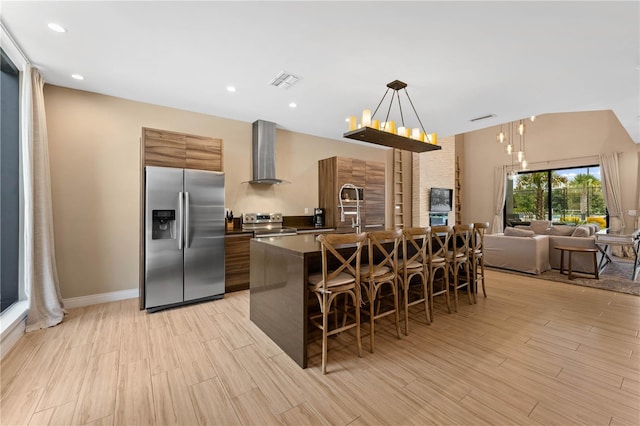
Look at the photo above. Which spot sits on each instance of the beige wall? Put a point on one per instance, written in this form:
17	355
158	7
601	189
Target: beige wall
552	141
94	147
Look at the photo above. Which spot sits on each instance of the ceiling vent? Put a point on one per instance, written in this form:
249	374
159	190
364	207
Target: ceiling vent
482	117
284	80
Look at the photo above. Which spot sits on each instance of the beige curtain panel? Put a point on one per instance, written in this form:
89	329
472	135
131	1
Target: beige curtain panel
500	183
45	302
610	178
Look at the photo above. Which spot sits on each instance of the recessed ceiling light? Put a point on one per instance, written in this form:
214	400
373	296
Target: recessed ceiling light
292	105
57	28
231	89
77	76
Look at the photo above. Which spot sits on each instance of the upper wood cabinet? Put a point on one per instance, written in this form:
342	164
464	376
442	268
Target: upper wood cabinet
171	149
370	175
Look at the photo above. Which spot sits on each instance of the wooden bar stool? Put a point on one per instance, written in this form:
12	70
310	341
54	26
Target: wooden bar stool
414	265
477	254
329	284
382	270
460	257
437	260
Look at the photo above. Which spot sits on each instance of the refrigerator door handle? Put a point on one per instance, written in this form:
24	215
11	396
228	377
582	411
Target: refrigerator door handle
186	222
180	226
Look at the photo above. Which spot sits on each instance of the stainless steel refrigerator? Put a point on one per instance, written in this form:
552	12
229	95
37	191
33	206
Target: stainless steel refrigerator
184	236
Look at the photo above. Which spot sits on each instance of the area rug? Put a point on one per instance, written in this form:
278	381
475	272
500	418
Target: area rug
616	276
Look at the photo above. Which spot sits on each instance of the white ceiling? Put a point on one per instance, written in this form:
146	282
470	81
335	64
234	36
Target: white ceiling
460	59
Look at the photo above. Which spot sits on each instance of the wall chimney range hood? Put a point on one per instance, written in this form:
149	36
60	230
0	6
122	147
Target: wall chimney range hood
264	154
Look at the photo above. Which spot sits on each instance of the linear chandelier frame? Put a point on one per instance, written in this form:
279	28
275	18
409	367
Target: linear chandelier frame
386	138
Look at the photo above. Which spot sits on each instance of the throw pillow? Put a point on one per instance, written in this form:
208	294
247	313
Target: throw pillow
540	226
580	231
514	232
594	228
562	230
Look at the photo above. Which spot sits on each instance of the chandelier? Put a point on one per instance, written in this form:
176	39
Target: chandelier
385	133
515	134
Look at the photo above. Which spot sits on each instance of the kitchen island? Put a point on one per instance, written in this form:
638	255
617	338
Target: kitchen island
279	270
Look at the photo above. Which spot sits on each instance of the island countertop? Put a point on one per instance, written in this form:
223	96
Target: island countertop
301	243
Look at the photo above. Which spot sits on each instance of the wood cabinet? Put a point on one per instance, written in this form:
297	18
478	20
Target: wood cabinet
374	201
236	262
171	149
370	175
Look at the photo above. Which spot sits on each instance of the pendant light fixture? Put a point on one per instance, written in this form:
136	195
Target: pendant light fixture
521	153
501	137
384	133
510	144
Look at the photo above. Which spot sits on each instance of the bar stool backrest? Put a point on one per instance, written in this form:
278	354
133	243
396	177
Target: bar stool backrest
379	255
440	236
331	255
479	230
462	243
414	245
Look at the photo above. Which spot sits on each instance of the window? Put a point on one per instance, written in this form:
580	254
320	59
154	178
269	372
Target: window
9	182
565	196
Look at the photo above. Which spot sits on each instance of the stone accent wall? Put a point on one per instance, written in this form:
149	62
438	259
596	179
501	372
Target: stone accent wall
432	169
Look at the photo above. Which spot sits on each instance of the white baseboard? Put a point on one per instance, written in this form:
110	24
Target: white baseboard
94	299
12	326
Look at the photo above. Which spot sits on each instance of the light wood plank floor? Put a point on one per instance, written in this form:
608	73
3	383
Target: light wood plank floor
533	352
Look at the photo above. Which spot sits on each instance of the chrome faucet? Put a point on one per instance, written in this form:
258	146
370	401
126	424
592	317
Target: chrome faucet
357	223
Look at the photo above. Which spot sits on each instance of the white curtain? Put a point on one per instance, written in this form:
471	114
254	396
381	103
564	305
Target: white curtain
610	178
500	183
45	302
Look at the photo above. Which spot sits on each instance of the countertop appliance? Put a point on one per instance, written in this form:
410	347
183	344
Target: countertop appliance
184	237
266	225
318	217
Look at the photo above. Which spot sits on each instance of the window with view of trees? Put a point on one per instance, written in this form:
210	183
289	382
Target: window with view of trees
564	196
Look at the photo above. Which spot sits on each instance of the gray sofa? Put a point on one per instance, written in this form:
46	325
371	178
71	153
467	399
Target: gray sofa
531	249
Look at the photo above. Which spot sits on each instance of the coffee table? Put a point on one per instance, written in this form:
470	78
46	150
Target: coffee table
570	250
625	237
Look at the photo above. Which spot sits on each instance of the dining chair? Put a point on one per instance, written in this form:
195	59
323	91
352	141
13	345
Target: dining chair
414	271
380	272
438	261
477	255
459	256
331	283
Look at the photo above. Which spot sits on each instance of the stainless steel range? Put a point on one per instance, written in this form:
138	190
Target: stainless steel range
266	225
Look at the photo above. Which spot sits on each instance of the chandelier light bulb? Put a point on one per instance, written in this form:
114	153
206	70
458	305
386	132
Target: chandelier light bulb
533	118
509	149
524	164
521	128
520	156
501	137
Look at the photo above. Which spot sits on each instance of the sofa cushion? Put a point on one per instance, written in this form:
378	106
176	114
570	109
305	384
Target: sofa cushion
540	226
581	231
515	232
562	230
